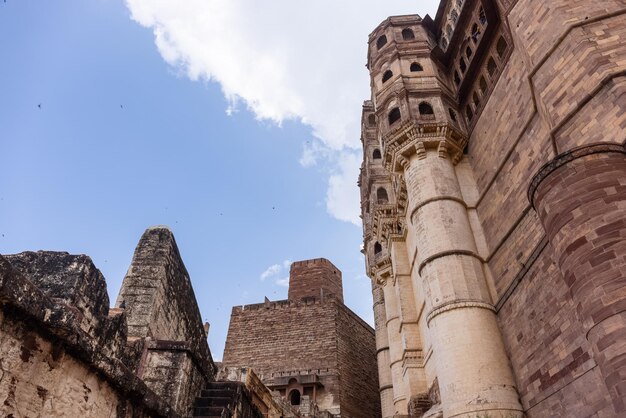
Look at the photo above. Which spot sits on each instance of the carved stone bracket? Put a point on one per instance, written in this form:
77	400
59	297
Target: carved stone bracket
415	138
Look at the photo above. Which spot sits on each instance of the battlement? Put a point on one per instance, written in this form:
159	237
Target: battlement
316	278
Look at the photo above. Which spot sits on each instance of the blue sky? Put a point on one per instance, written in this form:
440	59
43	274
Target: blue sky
209	116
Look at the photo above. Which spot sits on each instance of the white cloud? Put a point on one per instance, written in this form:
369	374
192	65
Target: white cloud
343	193
271	271
283	59
275	271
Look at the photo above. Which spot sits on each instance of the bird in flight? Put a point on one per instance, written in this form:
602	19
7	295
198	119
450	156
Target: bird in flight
39	105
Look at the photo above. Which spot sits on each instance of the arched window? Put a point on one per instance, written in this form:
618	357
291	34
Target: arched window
416	67
469	113
387	75
482	17
294	397
394	115
462	65
501	47
444	43
378	248
491	67
371	120
454	15
407	34
475	33
476	100
382	41
377	155
483	85
381	195
452	114
459	3
468	52
457	78
449	30
425	109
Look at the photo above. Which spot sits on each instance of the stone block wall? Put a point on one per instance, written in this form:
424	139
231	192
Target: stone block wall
287	338
156	295
561	89
309	339
63	352
357	356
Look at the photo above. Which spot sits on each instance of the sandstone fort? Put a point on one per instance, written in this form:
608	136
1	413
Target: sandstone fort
493	199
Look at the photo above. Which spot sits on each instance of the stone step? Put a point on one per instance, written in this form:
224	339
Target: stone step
213	401
217	393
209	411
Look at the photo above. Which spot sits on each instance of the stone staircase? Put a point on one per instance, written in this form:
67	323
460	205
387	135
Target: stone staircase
225	400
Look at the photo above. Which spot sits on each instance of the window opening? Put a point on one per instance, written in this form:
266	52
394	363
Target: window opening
407	34
501	47
475	33
387	75
381	195
416	67
382	41
425	109
394	115
491	67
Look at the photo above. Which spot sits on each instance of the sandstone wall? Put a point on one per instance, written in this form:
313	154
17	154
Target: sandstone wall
158	297
561	88
286	339
357	366
314	278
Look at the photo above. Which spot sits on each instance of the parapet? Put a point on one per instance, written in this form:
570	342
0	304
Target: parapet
316	278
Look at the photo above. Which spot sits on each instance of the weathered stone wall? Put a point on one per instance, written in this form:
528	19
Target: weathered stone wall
156	295
63	352
49	365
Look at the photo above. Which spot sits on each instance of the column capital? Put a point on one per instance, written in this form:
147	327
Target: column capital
415	138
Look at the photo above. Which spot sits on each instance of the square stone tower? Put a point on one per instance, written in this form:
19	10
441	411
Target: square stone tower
312	349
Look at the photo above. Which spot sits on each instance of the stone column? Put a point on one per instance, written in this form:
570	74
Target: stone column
400	400
473	369
382	353
580	198
412	349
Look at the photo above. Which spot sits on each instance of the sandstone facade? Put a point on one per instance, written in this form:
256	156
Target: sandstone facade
311	348
493	197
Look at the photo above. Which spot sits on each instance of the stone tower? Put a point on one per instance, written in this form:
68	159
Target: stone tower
312	349
493	203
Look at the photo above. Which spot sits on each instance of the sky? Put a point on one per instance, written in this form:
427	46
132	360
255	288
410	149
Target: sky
234	122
